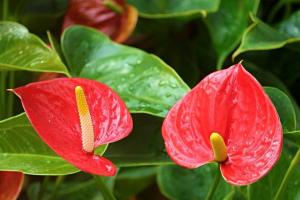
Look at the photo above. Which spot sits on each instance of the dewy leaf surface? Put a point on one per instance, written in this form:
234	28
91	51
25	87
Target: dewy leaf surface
21	149
52	109
144	82
174	8
21	50
232	103
10	185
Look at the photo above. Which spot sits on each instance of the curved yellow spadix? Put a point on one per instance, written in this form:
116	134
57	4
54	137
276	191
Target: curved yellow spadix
87	130
218	146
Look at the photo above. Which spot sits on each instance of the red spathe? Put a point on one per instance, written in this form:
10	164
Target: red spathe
52	110
10	185
232	103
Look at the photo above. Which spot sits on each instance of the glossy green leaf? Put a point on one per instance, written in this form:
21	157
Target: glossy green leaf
21	149
267	187
21	50
144	82
174	8
144	146
291	26
284	108
261	36
132	180
229	22
178	183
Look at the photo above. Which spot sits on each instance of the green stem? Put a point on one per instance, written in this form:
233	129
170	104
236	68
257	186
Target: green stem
5	10
293	165
43	187
214	186
107	194
10	98
275	10
58	181
2	94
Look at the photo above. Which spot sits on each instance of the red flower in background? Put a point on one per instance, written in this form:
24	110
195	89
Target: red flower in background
118	24
227	118
10	185
74	116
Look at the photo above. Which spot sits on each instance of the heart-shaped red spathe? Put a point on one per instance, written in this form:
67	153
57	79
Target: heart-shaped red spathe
52	110
10	185
94	13
232	103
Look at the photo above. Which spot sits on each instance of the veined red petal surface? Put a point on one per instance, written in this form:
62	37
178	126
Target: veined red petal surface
51	107
95	14
10	185
232	103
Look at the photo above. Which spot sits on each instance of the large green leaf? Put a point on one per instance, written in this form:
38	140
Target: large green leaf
267	187
21	50
178	183
227	26
144	146
284	108
21	149
261	36
144	82
174	8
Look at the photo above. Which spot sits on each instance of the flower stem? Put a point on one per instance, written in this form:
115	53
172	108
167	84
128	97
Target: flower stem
10	97
2	94
107	194
214	186
288	174
4	10
58	181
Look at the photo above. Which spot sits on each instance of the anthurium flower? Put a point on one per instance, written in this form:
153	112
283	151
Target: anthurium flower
229	119
10	185
113	17
74	116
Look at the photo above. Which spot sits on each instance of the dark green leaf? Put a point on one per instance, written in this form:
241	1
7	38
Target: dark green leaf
267	187
284	108
21	149
178	183
261	36
174	8
229	22
144	82
21	50
144	146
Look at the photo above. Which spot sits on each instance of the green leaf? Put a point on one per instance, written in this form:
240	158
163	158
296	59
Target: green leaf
284	108
293	136
21	50
144	82
178	183
291	26
143	146
132	180
229	22
267	187
174	8
261	36
21	149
